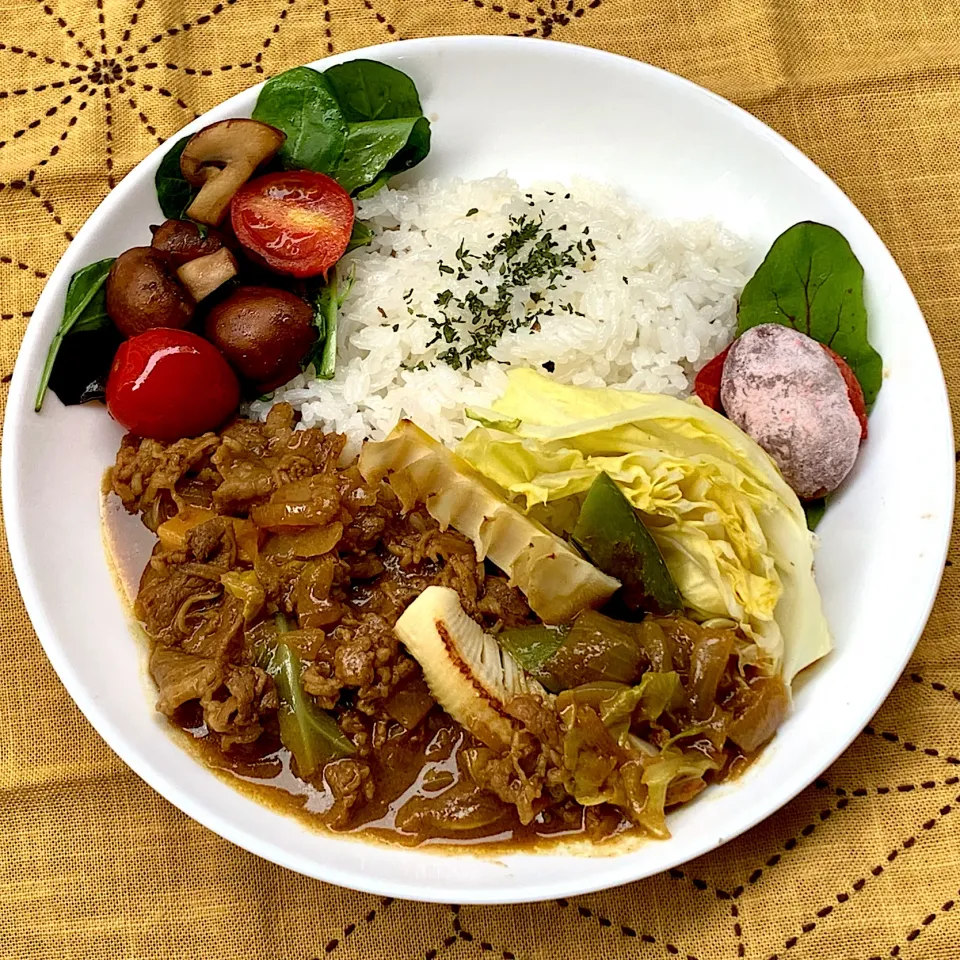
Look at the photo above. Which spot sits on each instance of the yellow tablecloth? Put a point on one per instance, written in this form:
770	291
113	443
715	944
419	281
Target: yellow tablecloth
866	863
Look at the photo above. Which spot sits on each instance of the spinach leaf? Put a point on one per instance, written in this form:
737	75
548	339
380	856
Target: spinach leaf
173	191
84	311
360	236
371	146
368	90
83	365
360	122
329	299
814	511
301	104
375	187
812	281
418	146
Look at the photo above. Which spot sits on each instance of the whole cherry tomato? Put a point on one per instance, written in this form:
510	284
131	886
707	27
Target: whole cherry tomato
299	222
167	384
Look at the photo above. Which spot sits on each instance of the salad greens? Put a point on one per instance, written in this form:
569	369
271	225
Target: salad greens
731	532
370	90
84	311
301	103
361	236
360	122
327	303
173	191
811	280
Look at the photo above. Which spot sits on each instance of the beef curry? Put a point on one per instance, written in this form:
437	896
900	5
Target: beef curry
271	603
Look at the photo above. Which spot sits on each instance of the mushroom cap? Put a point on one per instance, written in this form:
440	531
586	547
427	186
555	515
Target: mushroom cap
221	158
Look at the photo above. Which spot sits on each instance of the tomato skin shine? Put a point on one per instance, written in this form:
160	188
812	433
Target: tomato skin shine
299	223
167	384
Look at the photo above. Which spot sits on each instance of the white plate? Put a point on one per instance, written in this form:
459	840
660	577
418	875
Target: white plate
682	152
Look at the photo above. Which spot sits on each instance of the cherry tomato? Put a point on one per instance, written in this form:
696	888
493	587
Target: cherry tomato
707	385
854	390
167	384
298	222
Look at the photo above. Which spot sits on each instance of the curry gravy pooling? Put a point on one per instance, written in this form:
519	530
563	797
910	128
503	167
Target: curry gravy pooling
413	775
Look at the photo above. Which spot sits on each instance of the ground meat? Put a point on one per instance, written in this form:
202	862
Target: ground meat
290	540
165	595
250	693
148	474
349	782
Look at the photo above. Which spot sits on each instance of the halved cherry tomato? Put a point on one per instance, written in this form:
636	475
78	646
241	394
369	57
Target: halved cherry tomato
298	222
707	385
854	390
167	384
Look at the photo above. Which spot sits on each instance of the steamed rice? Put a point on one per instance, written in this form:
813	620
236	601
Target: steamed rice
647	304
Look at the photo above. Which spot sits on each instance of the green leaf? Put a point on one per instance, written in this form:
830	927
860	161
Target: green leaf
368	90
360	236
301	103
418	146
371	146
373	188
359	122
84	311
173	191
812	281
814	510
328	301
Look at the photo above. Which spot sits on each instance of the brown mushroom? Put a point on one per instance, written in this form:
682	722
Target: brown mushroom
264	332
220	159
184	241
143	291
205	274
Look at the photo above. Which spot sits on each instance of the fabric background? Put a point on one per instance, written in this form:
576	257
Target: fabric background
866	863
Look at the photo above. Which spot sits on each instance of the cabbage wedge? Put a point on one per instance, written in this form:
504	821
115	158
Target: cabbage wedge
731	531
557	582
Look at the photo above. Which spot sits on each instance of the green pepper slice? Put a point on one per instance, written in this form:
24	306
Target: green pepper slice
609	531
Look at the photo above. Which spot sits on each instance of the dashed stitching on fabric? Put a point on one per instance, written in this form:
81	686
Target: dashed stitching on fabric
185	27
382	20
910	747
550	14
936	684
585	913
66	28
916	931
334	943
858	885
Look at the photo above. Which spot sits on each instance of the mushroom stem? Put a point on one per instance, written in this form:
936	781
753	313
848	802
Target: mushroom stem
220	159
205	274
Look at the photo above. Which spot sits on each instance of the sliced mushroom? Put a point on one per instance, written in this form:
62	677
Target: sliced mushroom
465	669
205	274
220	159
556	580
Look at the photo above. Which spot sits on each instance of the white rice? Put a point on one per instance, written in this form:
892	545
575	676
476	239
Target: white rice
655	304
